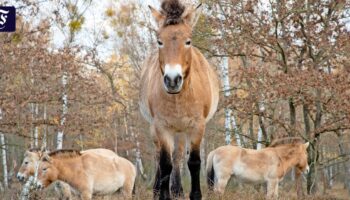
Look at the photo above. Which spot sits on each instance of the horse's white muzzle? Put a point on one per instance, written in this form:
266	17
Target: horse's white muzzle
39	185
307	170
21	177
173	78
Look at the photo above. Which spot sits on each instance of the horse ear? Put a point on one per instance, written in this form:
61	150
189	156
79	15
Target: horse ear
193	15
46	157
307	145
158	16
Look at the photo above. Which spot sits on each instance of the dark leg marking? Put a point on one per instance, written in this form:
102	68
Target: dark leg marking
194	165
176	187
156	185
165	171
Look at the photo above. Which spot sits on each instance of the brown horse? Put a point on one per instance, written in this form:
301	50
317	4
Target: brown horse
179	94
90	172
266	165
27	169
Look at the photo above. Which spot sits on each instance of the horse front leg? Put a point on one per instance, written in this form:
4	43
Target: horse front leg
166	167
194	162
298	183
166	145
156	185
272	189
176	186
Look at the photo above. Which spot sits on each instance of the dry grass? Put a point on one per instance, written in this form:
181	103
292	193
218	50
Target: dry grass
234	191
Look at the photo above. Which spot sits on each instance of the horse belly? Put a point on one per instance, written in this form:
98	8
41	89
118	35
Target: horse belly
246	174
109	184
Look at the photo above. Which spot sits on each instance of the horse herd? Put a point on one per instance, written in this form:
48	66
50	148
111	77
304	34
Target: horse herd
179	94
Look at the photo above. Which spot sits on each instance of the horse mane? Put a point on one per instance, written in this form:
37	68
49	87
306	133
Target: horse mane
65	153
173	11
286	141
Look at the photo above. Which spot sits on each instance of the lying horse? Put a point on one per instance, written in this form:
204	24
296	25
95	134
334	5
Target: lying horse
266	165
90	172
27	169
179	94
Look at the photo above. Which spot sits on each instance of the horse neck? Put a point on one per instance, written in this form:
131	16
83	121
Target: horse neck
67	170
288	161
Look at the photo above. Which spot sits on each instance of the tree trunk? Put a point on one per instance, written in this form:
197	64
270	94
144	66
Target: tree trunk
228	126
346	165
251	131
229	117
4	160
292	115
136	150
27	189
227	93
36	129
313	148
60	133
44	139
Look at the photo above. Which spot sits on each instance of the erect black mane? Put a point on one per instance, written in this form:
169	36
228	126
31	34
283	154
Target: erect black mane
65	153
286	140
173	11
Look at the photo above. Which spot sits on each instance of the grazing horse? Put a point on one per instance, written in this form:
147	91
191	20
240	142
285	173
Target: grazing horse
27	169
266	165
90	172
179	94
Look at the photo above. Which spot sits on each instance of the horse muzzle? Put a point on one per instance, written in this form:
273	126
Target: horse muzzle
20	177
307	170
39	185
173	78
173	85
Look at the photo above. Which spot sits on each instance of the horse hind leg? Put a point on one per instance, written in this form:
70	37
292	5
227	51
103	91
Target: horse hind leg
222	180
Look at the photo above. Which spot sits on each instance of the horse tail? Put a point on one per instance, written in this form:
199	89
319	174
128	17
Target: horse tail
210	171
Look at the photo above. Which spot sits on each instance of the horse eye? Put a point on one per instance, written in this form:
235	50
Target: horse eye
188	42
26	163
44	169
160	43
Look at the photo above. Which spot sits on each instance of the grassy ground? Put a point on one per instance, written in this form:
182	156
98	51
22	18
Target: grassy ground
233	191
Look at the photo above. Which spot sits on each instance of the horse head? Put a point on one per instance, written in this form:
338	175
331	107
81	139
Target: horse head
174	36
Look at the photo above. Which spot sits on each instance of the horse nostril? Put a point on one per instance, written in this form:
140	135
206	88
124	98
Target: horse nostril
178	80
167	80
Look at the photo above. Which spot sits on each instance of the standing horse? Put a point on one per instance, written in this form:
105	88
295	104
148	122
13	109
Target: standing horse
179	94
90	172
266	165
27	169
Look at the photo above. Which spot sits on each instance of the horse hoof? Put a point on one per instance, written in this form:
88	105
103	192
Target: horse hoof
196	196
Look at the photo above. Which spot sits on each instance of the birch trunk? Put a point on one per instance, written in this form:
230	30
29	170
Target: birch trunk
126	131
228	112
44	139
60	133
4	160
36	129
27	188
227	93
137	151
